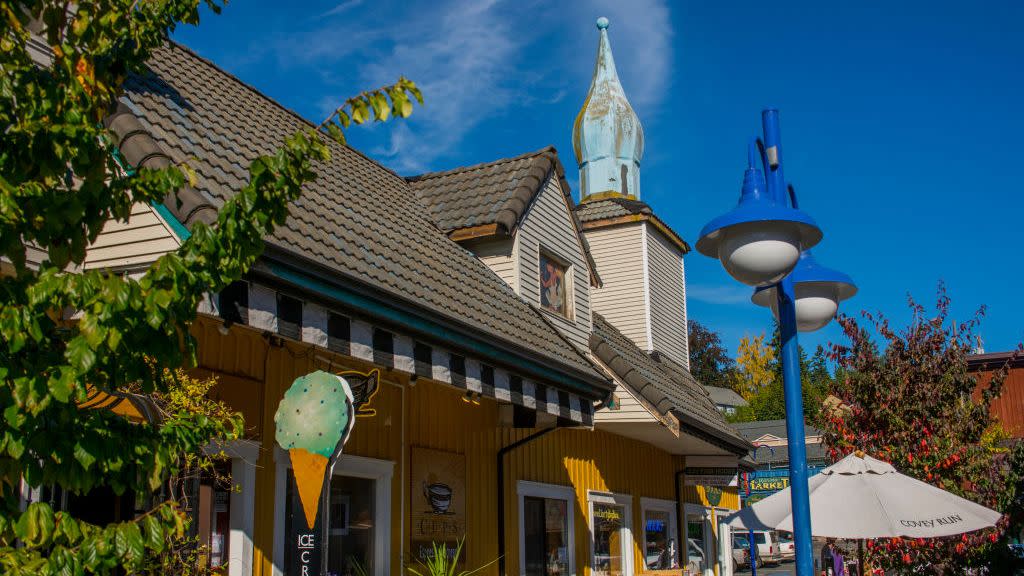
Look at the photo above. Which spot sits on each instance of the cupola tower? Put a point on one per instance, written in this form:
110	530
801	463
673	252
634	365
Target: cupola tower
639	257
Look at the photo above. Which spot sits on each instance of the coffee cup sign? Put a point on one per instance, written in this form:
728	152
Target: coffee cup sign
438	496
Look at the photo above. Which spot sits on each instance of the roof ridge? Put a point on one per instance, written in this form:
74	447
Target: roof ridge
275	103
461	169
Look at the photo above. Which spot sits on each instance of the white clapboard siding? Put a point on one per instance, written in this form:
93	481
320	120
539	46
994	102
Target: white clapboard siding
131	245
628	409
499	256
668	296
34	256
548	225
619	254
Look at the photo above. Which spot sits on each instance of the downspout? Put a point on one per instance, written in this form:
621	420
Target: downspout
501	491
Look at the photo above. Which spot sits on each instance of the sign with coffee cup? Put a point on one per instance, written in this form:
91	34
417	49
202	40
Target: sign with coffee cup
438	496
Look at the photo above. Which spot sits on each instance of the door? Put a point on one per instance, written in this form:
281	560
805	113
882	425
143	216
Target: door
612	540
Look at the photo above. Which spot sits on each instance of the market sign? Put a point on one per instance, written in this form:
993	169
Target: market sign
710	476
769	484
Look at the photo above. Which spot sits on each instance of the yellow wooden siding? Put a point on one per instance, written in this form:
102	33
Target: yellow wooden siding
619	254
698	495
435	417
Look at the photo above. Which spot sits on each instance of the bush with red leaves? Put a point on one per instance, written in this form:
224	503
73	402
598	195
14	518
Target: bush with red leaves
912	402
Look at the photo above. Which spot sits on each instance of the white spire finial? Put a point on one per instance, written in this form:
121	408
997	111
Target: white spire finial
607	136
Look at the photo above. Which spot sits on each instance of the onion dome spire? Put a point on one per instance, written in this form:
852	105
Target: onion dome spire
607	136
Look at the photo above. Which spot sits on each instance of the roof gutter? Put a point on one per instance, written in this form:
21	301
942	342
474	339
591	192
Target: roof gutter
713	436
304	273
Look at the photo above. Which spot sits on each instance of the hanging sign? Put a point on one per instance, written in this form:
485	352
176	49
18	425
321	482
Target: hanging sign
710	476
313	421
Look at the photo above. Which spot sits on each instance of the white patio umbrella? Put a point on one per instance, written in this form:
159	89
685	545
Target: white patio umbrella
860	497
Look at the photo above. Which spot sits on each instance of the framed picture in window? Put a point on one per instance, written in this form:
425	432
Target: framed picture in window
554	285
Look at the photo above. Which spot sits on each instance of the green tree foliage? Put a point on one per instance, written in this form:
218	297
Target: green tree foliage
59	184
912	402
768	402
754	362
710	363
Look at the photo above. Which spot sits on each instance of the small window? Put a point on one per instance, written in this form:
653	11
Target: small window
338	331
289	317
546	531
233	303
661	549
555	286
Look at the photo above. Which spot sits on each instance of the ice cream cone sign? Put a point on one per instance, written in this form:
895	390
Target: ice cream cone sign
313	421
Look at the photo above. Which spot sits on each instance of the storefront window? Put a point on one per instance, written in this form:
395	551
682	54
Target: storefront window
546	536
220	517
696	559
609	539
659	545
351	530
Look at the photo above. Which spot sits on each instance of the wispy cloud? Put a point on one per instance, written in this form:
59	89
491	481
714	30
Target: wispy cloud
718	294
474	61
341	7
641	36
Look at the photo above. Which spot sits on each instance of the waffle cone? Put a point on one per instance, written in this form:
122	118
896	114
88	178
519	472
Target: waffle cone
309	469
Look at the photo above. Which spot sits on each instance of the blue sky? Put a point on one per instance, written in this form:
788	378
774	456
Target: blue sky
901	122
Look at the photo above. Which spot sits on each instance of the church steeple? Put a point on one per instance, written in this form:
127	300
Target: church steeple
607	136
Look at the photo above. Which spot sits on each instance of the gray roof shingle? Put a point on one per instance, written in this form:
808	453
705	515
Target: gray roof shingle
724	396
495	192
596	212
614	207
358	220
498	193
667	386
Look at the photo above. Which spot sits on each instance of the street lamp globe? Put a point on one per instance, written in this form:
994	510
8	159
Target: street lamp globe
759	253
760	240
818	291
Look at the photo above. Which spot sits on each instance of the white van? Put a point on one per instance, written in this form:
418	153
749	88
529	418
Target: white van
768	547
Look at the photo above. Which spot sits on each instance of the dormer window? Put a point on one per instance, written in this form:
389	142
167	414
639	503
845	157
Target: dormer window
555	285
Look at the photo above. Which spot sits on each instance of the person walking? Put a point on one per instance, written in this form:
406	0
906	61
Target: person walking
832	561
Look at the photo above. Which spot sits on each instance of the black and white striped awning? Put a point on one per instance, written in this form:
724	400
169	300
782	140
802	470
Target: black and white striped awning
265	308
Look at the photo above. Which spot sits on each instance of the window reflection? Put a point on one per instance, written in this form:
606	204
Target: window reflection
546	536
608	539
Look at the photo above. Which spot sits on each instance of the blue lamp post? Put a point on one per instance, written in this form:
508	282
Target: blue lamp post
763	243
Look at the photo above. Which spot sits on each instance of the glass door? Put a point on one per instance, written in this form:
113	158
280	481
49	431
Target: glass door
351	531
612	539
698	559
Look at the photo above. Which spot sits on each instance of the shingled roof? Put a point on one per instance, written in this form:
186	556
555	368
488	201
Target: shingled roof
358	221
490	199
610	209
495	192
665	385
